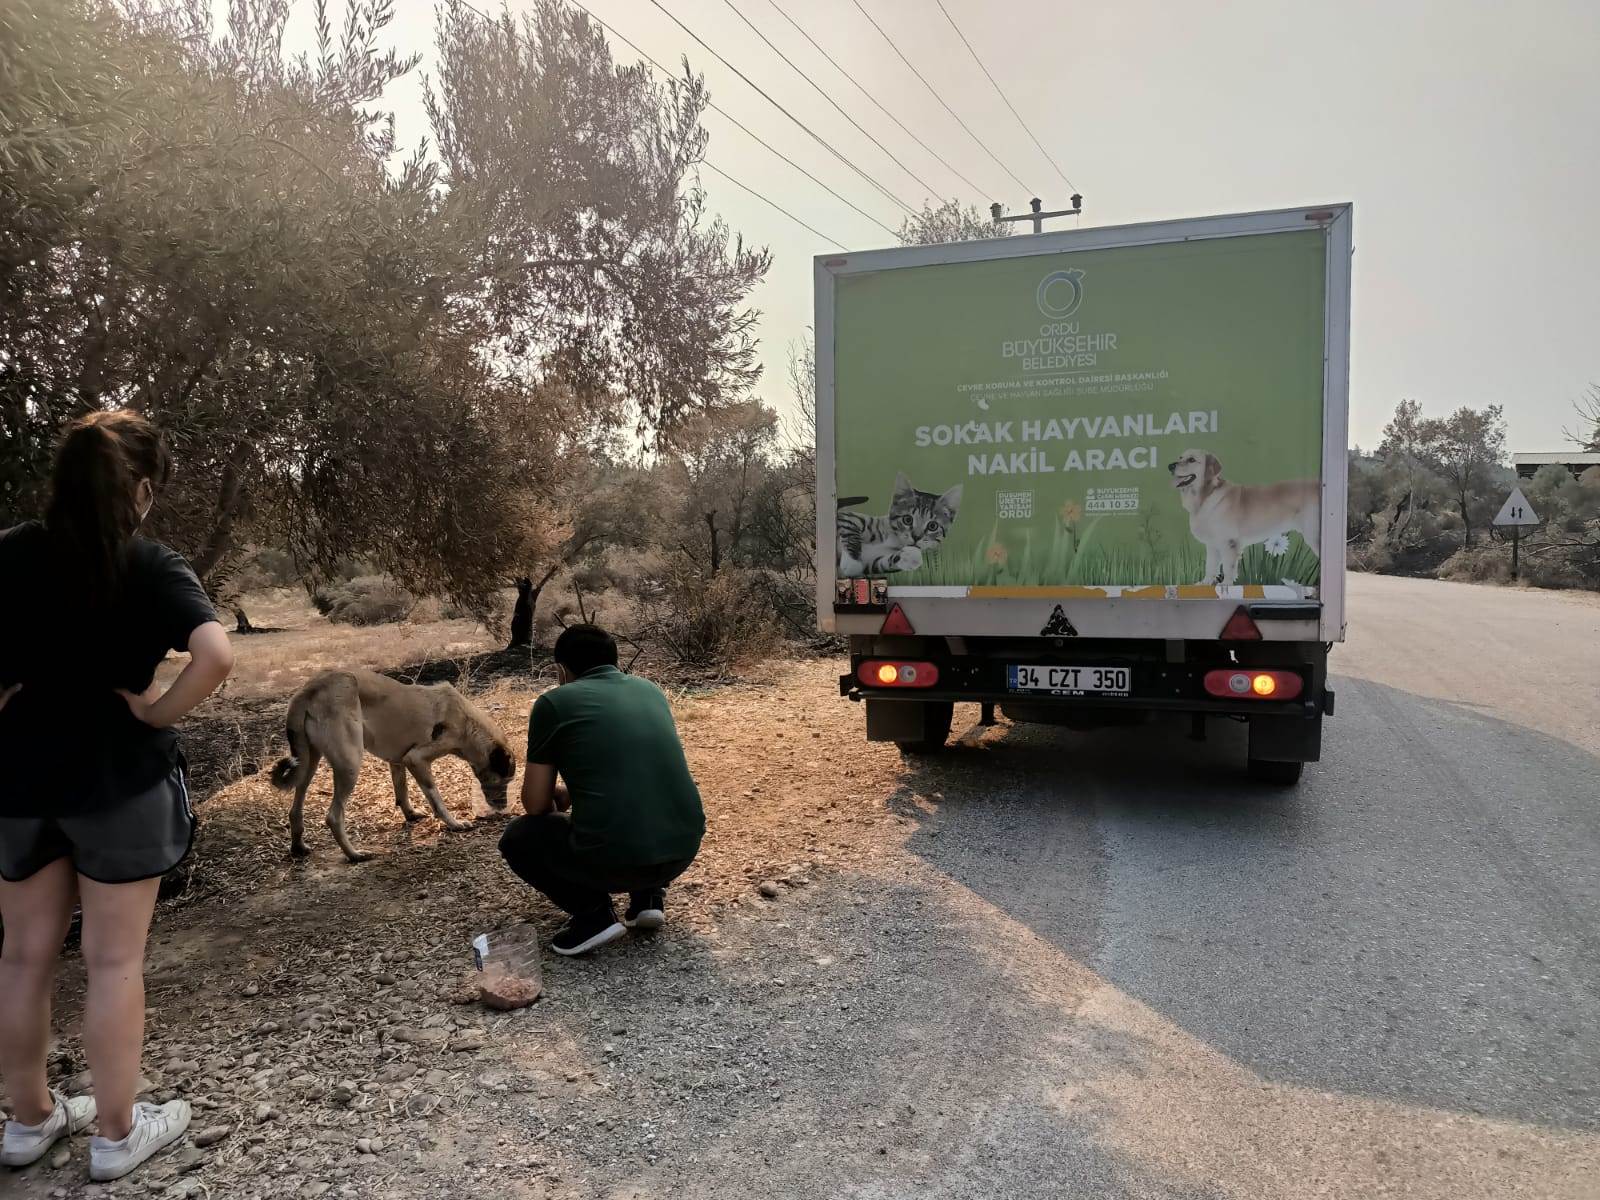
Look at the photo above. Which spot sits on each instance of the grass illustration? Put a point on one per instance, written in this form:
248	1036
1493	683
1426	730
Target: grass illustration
1074	557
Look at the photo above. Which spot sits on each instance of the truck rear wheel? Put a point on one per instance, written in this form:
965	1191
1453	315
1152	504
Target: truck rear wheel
937	716
1280	774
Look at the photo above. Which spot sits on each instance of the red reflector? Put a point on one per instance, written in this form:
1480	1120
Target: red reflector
892	673
1326	214
897	622
1241	627
1253	683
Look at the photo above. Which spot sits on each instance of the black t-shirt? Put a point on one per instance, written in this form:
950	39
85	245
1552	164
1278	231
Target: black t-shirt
68	744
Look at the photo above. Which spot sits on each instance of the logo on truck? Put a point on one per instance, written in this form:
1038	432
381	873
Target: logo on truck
1058	625
1060	293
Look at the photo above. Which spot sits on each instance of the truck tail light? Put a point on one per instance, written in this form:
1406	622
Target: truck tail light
895	674
1246	683
1241	627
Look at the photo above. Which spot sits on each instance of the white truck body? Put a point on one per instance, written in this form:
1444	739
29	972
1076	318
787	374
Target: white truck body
1030	409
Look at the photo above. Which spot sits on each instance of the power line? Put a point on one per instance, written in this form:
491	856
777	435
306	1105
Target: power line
707	162
1002	96
930	190
940	99
775	205
740	124
818	138
857	85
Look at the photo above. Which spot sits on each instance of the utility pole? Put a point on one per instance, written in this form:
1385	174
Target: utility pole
1034	215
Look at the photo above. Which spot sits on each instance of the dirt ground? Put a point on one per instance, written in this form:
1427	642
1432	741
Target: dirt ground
295	640
307	1010
1043	964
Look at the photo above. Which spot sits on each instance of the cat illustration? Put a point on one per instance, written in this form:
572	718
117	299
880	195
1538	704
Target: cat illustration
916	521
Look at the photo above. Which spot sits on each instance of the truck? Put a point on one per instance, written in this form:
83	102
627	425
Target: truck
1089	476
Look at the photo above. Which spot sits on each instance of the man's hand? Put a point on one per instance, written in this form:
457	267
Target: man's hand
140	704
5	696
563	800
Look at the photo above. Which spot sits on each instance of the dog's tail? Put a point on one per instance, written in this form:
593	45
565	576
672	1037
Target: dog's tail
285	772
850	501
286	769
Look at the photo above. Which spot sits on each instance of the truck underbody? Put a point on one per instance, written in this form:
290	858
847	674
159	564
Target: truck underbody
1147	677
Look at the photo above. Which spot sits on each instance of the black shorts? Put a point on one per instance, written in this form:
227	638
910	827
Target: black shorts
139	837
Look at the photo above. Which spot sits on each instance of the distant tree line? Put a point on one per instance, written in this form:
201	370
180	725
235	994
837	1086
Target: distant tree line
1423	502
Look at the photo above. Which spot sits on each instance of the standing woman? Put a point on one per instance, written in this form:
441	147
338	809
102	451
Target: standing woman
93	807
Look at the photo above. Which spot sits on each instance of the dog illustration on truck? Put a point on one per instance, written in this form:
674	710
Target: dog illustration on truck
1226	517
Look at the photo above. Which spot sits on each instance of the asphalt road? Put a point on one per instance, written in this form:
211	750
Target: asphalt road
1385	981
1111	966
1108	965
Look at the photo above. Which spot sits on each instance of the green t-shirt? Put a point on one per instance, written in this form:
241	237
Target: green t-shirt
612	739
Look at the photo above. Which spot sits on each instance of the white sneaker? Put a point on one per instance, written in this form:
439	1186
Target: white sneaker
26	1144
155	1127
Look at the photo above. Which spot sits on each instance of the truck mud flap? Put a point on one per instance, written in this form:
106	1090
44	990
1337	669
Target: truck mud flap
896	721
1286	739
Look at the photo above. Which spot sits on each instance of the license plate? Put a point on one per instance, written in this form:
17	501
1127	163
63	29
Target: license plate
1070	681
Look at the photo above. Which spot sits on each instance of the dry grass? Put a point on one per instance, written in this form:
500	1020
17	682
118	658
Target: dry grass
304	642
788	781
789	786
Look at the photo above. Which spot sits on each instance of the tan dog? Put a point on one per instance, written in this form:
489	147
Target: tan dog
1226	517
338	714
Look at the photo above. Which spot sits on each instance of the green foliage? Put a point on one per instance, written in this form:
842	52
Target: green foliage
1464	451
597	260
1414	506
401	360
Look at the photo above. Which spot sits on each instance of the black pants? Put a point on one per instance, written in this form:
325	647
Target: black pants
539	849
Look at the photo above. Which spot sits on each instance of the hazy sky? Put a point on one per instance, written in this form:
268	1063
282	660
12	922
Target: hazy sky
1465	133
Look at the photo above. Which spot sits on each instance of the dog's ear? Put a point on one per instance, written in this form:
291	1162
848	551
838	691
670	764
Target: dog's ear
501	762
1213	466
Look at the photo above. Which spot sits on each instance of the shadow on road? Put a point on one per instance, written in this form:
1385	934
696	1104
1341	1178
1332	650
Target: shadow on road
1417	921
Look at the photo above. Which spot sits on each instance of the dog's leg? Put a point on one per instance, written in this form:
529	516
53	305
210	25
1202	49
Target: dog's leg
1213	566
397	772
1230	564
344	782
424	778
297	811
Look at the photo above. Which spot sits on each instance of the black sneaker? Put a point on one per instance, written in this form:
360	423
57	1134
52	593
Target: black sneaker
646	910
584	933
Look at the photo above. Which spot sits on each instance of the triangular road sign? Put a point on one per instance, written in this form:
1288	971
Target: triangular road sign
1516	510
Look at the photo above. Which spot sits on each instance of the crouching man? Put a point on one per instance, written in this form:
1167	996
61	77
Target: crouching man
626	815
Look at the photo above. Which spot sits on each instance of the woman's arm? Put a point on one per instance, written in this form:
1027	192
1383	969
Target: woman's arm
210	661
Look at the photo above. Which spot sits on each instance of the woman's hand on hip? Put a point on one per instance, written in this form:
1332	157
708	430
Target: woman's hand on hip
210	660
140	704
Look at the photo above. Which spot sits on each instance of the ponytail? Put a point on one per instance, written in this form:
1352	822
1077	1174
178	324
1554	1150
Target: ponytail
94	497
